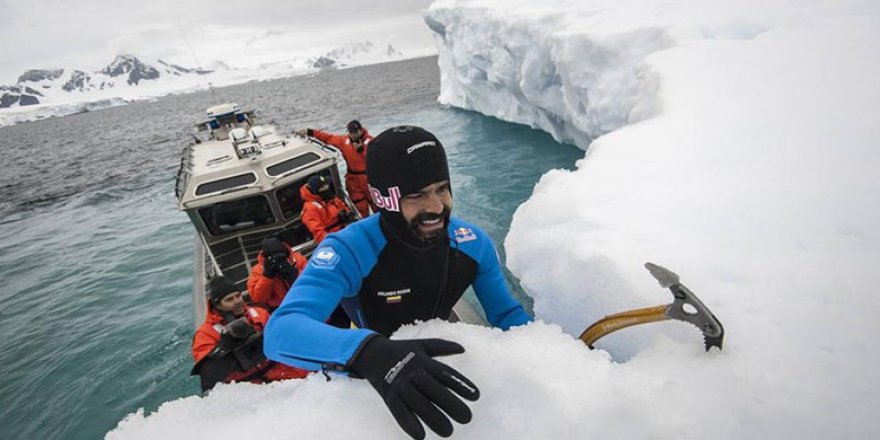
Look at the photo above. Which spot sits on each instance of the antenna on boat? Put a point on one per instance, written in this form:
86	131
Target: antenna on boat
198	63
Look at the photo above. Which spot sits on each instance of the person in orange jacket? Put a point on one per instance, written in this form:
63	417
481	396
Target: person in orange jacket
323	212
228	346
353	146
277	268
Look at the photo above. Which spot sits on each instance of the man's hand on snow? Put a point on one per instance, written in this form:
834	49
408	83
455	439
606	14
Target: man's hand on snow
415	386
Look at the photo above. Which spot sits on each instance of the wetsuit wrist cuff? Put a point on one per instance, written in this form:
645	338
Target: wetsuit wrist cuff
360	349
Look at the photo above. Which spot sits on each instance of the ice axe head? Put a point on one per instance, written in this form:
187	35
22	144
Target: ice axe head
688	308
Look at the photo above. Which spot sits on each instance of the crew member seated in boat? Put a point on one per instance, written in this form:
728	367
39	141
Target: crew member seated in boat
353	146
411	262
277	268
323	212
228	346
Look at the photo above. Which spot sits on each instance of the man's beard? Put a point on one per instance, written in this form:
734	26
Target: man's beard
432	236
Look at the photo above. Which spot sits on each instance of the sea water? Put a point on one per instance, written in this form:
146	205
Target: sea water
96	263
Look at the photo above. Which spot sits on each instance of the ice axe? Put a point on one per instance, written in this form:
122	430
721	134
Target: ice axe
685	307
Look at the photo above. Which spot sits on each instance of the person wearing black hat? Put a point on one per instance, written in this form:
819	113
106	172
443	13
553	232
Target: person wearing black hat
277	268
323	211
353	146
411	262
228	346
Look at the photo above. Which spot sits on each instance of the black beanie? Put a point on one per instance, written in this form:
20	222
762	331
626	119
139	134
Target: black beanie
273	245
219	287
401	161
315	183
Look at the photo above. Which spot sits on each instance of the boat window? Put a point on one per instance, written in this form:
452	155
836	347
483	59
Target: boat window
292	164
237	215
223	184
289	199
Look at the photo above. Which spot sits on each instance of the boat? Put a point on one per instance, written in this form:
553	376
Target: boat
239	182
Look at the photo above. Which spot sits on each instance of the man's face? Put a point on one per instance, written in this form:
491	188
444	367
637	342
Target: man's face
427	211
232	302
355	135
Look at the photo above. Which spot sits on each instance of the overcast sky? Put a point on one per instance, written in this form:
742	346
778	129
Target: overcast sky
88	34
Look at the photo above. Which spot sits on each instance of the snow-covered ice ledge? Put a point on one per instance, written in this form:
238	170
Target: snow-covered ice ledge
734	142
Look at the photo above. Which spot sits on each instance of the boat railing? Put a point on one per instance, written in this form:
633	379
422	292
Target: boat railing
184	170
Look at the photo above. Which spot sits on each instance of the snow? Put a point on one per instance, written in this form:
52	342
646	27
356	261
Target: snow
734	143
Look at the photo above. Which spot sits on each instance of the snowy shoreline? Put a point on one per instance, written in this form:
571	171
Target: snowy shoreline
146	91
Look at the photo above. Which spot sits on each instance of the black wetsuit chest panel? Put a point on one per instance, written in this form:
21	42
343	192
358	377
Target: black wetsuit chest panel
404	285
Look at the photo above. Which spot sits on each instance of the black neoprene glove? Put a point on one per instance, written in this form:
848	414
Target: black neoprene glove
226	344
415	386
287	271
239	328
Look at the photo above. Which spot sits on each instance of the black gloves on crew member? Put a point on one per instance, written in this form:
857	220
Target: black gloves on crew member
287	271
239	328
346	217
270	267
414	385
232	334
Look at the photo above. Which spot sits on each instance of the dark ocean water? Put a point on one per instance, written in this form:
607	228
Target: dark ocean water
96	262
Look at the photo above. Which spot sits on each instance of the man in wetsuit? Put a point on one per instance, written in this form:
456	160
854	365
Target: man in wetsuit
411	262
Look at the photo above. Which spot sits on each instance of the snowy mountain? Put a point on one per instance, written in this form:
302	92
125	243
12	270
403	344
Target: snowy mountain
41	93
18	95
125	71
353	54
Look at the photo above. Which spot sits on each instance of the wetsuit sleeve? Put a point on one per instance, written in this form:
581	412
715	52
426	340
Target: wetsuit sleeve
502	310
296	334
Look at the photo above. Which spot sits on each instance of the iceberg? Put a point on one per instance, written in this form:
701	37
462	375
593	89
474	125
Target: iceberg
735	143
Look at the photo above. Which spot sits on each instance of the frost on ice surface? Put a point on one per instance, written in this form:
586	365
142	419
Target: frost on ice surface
734	143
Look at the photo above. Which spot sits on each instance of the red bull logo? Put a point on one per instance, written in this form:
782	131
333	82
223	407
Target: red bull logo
390	202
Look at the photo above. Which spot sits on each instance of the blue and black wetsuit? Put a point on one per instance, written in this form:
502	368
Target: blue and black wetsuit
383	283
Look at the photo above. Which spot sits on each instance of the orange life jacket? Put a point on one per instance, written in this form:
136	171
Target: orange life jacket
208	336
269	292
320	216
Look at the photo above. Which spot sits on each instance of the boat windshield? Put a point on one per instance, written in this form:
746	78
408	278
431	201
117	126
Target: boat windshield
237	215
